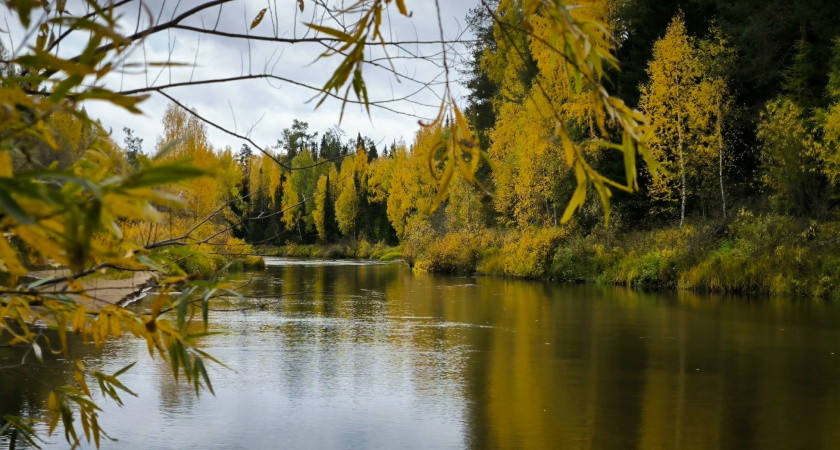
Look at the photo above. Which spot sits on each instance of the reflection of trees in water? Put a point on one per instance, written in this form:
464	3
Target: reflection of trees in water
175	397
526	364
620	368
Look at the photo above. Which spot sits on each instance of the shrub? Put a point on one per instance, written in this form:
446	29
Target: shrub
254	263
529	256
364	249
453	253
492	262
391	256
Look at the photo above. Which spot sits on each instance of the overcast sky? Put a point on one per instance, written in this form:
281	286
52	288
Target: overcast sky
266	107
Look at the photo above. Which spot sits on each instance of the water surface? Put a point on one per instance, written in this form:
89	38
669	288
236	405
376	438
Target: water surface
337	354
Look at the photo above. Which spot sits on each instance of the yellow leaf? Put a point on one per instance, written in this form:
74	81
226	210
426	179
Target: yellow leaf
78	288
5	164
7	254
80	378
103	327
35	237
579	197
443	185
172	280
52	402
568	145
258	19
45	133
116	327
79	320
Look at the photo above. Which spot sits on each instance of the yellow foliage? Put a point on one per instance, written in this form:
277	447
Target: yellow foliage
412	186
687	99
347	200
380	177
319	211
529	254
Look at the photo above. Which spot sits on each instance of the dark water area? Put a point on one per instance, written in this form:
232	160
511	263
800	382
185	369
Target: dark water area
352	355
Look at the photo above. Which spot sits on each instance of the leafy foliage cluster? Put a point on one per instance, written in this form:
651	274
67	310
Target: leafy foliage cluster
739	138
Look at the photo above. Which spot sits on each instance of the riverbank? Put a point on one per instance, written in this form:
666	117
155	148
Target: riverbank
100	291
345	250
757	254
122	287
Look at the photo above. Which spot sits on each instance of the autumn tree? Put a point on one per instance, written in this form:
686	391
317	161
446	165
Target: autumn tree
790	159
713	110
830	121
304	184
666	99
319	214
352	192
412	186
292	207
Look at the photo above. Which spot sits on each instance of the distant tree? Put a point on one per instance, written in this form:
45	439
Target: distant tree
483	90
296	138
133	148
370	149
331	143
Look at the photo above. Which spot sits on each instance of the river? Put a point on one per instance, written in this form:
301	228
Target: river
338	354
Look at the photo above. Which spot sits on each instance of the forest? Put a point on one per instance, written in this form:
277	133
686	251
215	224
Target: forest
743	104
690	145
743	110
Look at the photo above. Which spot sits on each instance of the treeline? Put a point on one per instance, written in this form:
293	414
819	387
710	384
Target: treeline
311	190
743	106
304	189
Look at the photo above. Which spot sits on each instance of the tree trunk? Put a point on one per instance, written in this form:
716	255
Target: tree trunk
682	168
720	157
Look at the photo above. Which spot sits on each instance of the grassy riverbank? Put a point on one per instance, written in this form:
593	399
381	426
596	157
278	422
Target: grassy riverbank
344	250
762	254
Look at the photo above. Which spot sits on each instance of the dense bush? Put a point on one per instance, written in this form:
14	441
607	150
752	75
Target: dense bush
529	254
454	253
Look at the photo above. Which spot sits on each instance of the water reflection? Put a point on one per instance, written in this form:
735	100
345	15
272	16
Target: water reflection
356	356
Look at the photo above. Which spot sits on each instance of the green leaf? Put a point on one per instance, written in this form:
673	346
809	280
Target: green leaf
43	33
128	102
199	365
124	369
64	87
340	35
156	176
24	9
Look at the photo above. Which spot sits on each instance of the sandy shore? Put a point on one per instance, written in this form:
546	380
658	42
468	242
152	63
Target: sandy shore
101	291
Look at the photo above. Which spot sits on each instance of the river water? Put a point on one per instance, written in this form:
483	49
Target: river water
336	354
